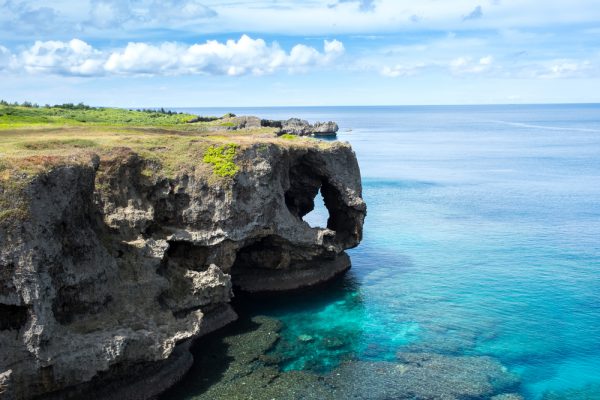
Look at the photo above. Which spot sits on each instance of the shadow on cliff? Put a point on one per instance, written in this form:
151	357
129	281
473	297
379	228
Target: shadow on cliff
213	361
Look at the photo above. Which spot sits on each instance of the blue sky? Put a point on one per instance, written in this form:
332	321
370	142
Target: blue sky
282	52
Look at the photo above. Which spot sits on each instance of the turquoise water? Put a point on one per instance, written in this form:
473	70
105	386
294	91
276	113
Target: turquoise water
482	238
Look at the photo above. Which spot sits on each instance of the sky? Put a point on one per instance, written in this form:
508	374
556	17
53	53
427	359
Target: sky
203	53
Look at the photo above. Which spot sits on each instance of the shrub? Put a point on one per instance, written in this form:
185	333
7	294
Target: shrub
222	159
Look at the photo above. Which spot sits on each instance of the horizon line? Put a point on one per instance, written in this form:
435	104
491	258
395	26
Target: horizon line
384	105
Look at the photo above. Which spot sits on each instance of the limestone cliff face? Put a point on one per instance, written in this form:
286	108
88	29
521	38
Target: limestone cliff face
115	271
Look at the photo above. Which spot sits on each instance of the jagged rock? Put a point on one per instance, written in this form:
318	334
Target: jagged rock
296	126
246	122
271	123
300	127
114	272
325	128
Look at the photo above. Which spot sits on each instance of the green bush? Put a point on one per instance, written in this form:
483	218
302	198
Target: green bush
222	159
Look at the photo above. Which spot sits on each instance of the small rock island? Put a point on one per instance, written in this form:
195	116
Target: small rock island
125	234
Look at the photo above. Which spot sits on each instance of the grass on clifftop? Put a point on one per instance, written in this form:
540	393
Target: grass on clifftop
19	116
26	115
33	139
36	140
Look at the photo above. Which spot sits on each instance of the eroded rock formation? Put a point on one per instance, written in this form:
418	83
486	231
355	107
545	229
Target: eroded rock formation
114	271
300	127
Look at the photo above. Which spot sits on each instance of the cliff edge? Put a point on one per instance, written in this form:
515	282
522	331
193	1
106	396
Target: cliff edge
115	254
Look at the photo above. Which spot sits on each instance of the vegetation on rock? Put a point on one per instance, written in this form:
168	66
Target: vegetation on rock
222	159
34	140
15	116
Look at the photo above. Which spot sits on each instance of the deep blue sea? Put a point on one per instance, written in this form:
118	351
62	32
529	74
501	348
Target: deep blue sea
482	238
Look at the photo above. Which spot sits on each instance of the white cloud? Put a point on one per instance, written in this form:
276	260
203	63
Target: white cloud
22	16
334	47
145	13
466	65
75	57
109	14
564	69
486	60
242	57
458	66
384	16
400	70
126	19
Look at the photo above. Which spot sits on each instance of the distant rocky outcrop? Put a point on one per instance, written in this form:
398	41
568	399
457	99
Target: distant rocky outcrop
292	126
115	270
300	127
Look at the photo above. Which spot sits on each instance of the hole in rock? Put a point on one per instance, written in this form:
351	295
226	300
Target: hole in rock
267	253
305	197
307	179
317	218
305	185
187	255
12	317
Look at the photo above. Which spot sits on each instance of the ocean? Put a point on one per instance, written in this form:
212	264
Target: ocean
482	239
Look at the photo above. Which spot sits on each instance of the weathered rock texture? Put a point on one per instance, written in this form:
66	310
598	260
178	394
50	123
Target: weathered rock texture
115	271
300	127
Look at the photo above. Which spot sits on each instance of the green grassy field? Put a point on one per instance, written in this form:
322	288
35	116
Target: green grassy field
17	116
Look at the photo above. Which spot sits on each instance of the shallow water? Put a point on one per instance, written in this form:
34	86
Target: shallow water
482	238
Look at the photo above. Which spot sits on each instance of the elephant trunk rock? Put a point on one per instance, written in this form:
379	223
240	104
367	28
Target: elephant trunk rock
115	271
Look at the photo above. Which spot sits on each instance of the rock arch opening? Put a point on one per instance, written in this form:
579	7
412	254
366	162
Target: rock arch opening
303	199
318	216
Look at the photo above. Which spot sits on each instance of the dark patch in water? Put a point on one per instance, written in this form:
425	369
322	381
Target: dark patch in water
234	363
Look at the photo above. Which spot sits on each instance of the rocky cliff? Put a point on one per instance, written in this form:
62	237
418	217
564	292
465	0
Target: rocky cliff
300	127
113	268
